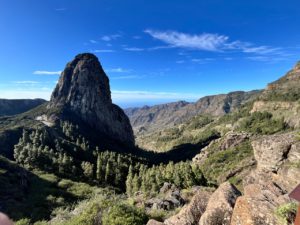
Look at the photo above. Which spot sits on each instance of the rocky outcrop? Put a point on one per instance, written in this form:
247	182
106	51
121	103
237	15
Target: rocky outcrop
171	198
154	222
267	187
231	139
271	151
220	205
83	90
191	213
10	107
288	110
148	119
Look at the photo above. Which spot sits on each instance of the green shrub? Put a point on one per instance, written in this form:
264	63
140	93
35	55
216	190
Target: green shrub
122	214
286	213
221	162
88	216
262	123
24	221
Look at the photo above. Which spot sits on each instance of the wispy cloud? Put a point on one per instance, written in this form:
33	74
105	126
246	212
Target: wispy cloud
60	9
110	37
268	59
202	60
149	95
118	70
103	51
205	41
127	77
25	94
27	82
247	47
210	42
134	49
137	37
45	72
180	61
93	41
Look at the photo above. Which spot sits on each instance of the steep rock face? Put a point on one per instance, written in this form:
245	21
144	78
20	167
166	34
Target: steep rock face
83	89
290	81
281	98
147	119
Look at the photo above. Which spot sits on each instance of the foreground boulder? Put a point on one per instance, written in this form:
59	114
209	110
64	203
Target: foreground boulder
267	187
154	222
191	213
220	205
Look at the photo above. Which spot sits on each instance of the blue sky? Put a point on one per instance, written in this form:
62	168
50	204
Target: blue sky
153	51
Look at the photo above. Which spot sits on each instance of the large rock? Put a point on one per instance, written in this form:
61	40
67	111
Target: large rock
171	198
220	205
258	205
154	222
233	139
83	89
191	213
267	187
271	151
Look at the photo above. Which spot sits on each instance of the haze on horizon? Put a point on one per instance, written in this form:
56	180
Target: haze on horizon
165	51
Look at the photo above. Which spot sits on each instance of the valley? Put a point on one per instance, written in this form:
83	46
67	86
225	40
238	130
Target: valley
78	159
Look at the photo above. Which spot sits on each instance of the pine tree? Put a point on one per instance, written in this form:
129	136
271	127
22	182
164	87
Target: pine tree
99	169
108	172
88	169
129	181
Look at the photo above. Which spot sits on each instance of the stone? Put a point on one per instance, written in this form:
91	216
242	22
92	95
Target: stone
154	222
233	139
220	205
191	213
271	151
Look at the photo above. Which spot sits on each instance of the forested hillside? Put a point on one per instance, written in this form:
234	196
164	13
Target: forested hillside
70	164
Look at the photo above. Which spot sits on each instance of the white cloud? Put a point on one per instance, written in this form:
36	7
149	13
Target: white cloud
103	51
209	42
27	82
60	9
110	37
24	94
180	61
93	41
127	77
267	59
134	49
201	60
118	70
148	95
136	37
45	72
205	41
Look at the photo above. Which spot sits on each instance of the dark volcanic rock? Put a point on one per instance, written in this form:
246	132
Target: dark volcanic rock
83	89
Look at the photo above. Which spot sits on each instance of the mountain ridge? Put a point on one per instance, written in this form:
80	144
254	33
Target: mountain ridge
9	107
149	118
